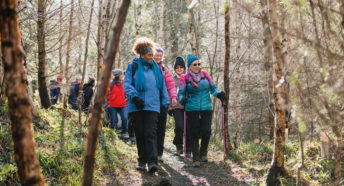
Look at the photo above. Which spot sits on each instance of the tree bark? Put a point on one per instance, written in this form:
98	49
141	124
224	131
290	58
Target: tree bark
95	118
18	99
42	69
268	64
192	31
277	166
85	61
69	40
100	40
226	65
61	38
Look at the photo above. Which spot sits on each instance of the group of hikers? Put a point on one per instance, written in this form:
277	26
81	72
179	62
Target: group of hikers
148	91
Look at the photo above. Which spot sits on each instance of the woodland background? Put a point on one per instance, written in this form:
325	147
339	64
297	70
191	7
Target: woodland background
285	71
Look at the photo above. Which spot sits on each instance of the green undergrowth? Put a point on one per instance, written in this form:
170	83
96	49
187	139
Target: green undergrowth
256	158
61	149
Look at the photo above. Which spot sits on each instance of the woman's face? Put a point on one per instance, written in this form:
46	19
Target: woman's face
195	66
148	56
121	77
179	70
158	57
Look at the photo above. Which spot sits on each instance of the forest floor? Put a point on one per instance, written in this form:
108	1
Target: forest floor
173	170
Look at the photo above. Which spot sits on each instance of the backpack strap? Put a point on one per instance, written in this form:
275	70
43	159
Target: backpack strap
111	89
133	69
163	70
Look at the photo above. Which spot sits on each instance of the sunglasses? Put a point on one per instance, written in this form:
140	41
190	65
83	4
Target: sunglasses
197	64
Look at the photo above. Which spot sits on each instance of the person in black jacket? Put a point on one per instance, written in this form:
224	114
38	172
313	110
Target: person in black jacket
87	93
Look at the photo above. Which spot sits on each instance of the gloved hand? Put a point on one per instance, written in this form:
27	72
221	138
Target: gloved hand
183	101
139	103
221	95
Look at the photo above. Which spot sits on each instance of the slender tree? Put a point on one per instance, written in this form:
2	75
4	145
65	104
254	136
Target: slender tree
95	118
277	166
18	98
192	29
226	65
42	69
85	60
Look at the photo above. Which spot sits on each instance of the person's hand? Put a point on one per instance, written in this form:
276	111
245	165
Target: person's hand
139	103
169	112
174	102
221	95
183	101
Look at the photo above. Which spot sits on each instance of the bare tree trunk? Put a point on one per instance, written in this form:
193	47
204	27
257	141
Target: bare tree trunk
69	40
226	66
268	64
95	119
100	40
277	166
85	61
137	9
161	23
192	30
61	38
18	99
42	69
237	106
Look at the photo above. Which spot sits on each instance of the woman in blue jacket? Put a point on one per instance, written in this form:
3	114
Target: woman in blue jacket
146	92
194	93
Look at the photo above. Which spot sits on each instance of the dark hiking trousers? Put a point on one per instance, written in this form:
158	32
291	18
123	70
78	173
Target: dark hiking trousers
145	123
178	115
200	127
161	130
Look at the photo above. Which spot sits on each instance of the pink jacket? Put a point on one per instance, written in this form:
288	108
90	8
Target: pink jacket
171	89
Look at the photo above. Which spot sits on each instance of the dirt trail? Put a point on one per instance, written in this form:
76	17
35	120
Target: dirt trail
173	171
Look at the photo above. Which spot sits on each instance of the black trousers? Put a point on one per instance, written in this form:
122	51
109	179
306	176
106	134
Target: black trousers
178	115
200	128
161	130
145	124
131	127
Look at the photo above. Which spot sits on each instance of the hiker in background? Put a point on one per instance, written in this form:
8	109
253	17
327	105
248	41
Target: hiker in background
177	111
117	102
87	93
74	93
172	93
146	93
55	89
193	92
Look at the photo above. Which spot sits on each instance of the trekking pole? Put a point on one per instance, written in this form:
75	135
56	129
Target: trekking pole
184	135
223	130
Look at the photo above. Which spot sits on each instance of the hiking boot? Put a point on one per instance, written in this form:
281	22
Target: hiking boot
132	140
160	159
204	159
180	151
196	164
141	167
152	168
124	136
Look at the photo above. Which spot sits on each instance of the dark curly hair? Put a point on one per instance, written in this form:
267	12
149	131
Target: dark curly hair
141	44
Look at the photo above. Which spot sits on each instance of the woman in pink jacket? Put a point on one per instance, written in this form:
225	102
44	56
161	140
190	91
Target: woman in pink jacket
172	93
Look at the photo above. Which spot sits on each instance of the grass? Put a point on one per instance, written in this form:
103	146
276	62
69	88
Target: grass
61	156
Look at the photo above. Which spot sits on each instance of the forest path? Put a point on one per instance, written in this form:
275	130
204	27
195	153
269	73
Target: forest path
173	171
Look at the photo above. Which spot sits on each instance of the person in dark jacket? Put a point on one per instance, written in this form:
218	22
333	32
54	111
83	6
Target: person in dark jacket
74	94
55	89
87	93
194	93
178	111
146	93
